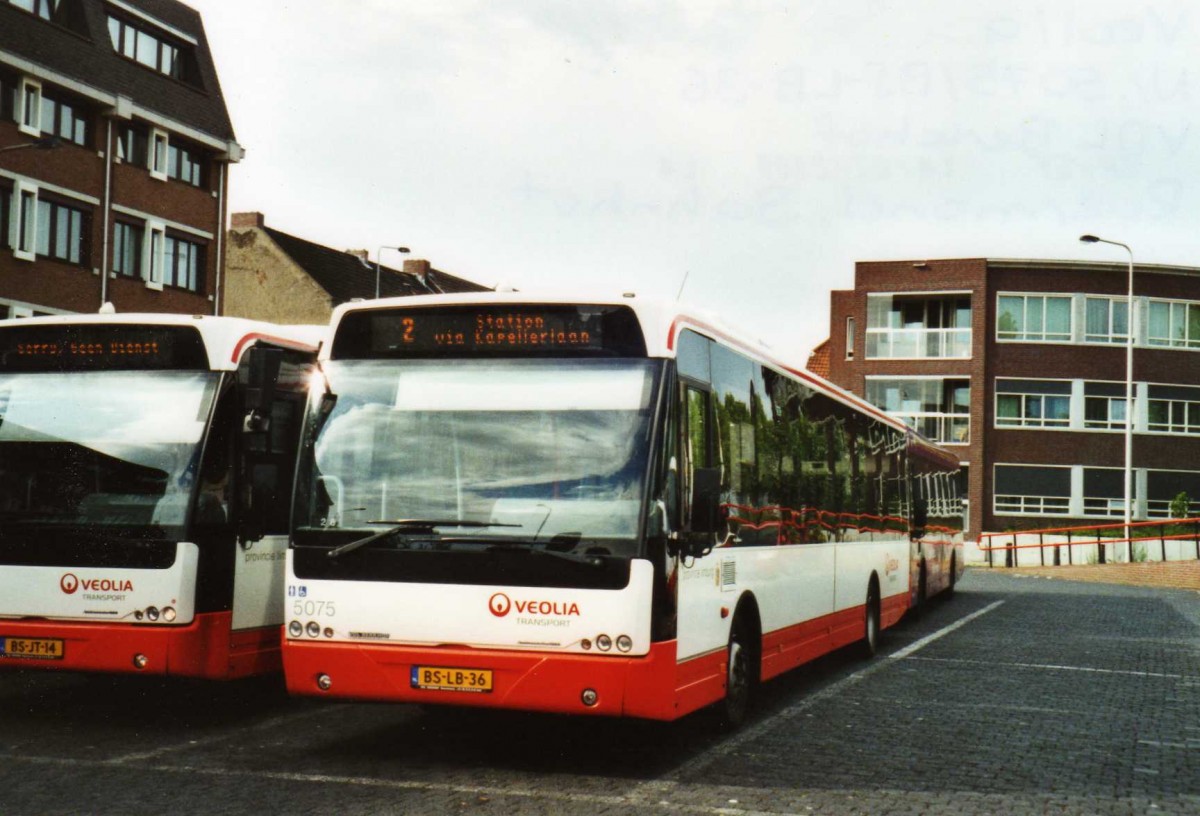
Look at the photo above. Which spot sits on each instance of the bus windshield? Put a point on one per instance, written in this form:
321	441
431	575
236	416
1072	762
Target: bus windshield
101	449
532	453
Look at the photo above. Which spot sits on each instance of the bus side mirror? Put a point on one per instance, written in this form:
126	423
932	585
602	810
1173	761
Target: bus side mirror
257	374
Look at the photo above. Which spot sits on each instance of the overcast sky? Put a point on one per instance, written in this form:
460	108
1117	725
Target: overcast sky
759	148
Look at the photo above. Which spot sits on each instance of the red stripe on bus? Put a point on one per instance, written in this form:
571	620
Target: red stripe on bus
204	648
278	341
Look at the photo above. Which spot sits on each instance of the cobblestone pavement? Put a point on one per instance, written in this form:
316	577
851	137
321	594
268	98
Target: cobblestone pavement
1016	696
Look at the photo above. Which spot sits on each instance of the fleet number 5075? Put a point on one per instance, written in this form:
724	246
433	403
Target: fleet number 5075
313	609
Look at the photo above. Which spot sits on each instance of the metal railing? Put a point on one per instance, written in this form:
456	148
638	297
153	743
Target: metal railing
1093	540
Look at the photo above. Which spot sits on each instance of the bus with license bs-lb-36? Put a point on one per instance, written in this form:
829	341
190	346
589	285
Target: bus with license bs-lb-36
598	507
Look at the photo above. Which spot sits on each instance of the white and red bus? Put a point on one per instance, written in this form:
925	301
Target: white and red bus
610	508
146	466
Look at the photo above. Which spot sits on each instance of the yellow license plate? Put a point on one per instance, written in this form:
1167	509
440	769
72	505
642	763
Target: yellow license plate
35	648
440	678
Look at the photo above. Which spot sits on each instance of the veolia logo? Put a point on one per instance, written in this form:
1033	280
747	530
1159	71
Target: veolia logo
69	583
499	604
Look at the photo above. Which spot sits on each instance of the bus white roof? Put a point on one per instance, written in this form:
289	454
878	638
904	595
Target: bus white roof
225	338
661	322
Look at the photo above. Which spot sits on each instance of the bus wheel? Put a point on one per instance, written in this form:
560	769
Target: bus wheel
870	642
740	674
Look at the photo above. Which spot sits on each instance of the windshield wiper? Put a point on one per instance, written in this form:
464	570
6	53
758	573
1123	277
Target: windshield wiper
567	555
407	526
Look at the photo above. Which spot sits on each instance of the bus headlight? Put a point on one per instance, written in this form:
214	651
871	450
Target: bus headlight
295	629
585	644
313	629
603	642
168	614
152	613
624	643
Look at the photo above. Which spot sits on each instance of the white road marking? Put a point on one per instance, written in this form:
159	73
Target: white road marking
1051	667
941	633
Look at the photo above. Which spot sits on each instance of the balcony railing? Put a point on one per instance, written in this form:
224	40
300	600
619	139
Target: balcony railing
918	343
951	429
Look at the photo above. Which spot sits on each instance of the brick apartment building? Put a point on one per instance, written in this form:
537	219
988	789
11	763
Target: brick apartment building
1019	367
127	206
271	275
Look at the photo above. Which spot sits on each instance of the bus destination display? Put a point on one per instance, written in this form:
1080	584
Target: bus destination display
100	347
491	331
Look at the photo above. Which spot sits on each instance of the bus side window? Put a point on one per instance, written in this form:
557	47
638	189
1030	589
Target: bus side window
701	482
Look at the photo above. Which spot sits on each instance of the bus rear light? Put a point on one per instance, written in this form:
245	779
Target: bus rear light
603	643
138	614
586	644
140	661
313	629
324	681
295	629
168	614
589	697
328	631
152	613
624	643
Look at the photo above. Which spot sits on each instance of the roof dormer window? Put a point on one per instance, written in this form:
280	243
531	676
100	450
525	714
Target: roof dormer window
152	49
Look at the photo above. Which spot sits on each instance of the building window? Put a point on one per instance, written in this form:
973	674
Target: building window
937	408
1034	318
182	264
1173	409
1029	490
1104	413
1174	323
6	195
185	164
63	119
850	327
158	154
128	248
46	9
1104	492
1033	404
1162	486
1107	320
156	235
22	230
60	232
132	145
29	107
150	49
918	326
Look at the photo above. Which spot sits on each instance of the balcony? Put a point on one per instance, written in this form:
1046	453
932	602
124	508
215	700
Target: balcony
918	327
918	344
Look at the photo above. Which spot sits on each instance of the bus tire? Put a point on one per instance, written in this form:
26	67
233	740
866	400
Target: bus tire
741	672
869	645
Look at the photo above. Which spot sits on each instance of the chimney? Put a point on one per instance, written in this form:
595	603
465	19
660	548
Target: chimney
361	254
247	220
418	269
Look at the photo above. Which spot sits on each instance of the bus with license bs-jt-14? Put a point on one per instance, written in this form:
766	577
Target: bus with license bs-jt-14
146	463
601	507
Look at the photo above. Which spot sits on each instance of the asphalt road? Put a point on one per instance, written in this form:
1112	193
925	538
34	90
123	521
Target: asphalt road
1016	696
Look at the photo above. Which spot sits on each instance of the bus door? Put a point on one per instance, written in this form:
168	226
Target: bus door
270	394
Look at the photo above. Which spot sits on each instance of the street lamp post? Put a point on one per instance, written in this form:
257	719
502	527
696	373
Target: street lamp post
401	249
1092	239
